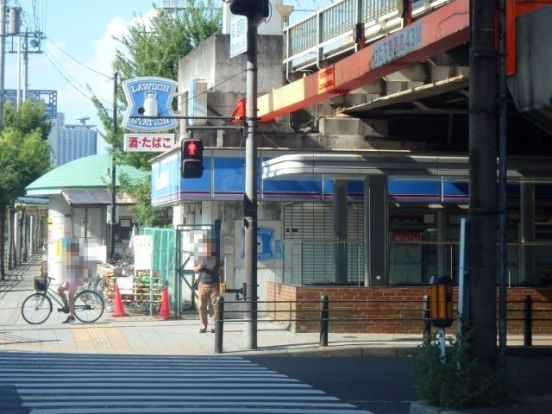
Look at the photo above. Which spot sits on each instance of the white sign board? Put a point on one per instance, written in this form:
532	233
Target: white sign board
148	97
143	246
148	142
238	35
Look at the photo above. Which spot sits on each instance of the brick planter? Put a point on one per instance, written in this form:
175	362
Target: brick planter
386	309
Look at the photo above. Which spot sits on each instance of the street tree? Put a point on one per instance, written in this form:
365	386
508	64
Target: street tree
24	156
154	48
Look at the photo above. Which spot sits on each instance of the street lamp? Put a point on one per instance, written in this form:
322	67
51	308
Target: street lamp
285	10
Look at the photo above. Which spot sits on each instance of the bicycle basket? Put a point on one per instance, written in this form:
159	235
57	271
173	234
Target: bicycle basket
40	283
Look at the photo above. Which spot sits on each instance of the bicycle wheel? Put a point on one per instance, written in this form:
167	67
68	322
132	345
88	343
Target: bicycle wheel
36	308
89	306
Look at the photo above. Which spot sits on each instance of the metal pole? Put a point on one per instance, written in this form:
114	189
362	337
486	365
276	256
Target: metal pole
483	177
25	68
219	325
250	194
502	182
461	279
528	321
442	346
324	315
19	57
113	171
2	56
151	293
427	319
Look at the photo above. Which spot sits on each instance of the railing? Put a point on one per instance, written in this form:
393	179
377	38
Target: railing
529	263
323	315
327	262
330	31
308	262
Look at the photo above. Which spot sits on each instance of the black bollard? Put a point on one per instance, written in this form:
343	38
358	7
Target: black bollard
219	325
528	322
427	319
324	322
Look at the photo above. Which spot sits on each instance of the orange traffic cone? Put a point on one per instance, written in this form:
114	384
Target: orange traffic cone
118	308
165	312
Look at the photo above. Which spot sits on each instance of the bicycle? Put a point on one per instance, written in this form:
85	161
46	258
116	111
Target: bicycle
147	296
37	307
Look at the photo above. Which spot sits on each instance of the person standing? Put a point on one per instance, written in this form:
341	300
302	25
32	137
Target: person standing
73	277
210	275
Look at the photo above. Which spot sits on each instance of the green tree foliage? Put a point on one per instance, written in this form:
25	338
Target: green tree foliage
24	155
145	214
30	117
154	48
460	380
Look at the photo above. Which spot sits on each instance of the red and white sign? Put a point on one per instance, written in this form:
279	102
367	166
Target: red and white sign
406	236
148	142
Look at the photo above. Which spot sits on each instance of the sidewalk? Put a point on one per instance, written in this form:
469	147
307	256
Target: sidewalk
148	335
141	334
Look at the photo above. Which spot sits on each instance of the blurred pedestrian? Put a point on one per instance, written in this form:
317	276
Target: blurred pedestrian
72	278
210	275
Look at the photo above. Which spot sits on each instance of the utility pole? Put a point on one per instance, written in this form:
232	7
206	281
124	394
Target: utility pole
250	194
2	57
502	185
482	215
113	172
25	68
255	11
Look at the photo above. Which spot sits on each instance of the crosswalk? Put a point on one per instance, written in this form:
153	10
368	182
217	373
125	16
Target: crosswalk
99	384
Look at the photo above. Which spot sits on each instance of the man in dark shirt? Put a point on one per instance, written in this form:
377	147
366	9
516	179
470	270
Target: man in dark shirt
210	275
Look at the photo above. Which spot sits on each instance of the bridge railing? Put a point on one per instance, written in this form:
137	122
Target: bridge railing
331	30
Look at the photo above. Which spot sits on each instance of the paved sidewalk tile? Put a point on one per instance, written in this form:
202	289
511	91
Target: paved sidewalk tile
140	334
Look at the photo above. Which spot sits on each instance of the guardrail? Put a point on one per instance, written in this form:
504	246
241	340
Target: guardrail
335	29
314	262
324	315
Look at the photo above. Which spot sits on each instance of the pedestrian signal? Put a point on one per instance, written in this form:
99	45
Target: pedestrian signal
191	157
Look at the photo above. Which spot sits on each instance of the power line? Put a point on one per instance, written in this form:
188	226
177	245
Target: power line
78	61
70	81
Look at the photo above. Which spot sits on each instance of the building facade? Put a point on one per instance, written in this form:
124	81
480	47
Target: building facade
352	194
70	142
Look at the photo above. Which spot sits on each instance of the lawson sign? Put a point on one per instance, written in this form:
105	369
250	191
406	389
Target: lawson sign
150	97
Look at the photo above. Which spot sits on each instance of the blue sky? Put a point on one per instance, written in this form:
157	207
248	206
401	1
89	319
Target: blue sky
79	47
78	39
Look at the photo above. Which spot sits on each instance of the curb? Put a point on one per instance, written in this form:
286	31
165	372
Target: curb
533	351
366	351
420	407
526	405
356	352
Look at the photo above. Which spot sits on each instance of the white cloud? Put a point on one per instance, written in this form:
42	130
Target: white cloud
105	47
55	69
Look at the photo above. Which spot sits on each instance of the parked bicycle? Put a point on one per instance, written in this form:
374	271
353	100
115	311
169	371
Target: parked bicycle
147	293
36	308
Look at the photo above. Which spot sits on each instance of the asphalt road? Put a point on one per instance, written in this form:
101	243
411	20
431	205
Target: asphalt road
386	385
378	384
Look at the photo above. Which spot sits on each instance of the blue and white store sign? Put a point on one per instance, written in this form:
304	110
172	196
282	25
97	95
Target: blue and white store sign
149	96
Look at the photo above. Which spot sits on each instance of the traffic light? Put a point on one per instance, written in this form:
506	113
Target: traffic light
249	8
191	158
